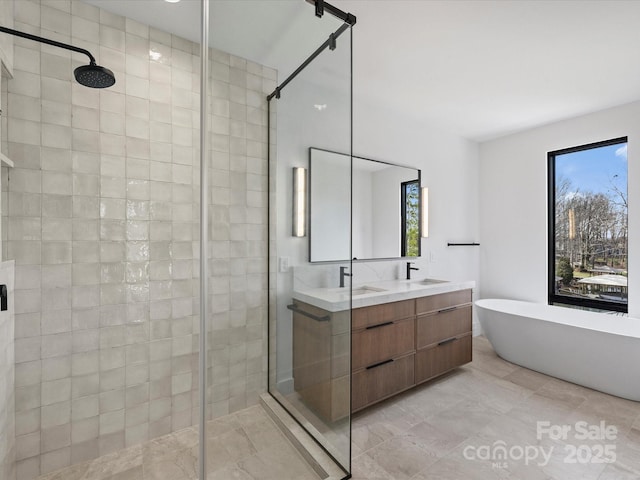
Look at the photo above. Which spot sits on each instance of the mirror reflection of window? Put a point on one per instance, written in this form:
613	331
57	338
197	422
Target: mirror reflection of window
410	215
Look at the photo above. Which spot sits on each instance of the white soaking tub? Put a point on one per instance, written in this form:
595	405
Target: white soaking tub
596	350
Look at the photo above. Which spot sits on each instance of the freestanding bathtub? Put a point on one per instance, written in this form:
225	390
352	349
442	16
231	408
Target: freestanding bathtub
596	350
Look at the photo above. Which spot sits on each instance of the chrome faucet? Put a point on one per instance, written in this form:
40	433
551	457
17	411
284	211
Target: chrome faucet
343	274
409	268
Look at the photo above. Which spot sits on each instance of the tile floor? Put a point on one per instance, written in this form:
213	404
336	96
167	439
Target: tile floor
441	430
424	433
246	445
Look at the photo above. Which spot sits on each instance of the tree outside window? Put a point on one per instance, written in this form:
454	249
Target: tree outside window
588	226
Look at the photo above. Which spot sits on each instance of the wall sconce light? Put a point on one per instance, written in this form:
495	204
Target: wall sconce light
425	212
299	202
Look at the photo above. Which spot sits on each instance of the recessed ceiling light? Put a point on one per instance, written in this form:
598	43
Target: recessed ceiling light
172	1
320	106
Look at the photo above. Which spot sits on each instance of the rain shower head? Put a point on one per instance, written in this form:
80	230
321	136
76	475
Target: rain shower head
94	76
91	75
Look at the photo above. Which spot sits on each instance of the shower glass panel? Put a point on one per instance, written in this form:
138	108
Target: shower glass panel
309	350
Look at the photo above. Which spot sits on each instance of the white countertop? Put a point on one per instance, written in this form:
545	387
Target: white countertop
337	299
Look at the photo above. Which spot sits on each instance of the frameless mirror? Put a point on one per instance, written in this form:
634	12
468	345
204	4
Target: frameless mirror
386	208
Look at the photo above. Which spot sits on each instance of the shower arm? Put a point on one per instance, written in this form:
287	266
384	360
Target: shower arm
49	42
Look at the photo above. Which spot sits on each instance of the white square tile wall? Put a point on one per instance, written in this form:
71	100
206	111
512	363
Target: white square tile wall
102	222
7	378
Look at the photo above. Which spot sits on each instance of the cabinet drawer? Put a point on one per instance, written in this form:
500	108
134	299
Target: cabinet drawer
431	362
385	312
431	329
373	384
380	342
433	303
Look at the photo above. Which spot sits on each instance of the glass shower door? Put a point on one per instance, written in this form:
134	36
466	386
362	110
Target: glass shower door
310	340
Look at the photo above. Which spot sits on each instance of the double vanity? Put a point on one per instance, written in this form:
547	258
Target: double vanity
402	333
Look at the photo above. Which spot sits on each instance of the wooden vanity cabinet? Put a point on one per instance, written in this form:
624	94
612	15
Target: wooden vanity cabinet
370	385
384	312
397	345
377	343
382	351
321	346
443	333
432	362
394	346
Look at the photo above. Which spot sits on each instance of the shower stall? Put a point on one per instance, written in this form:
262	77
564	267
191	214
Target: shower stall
147	332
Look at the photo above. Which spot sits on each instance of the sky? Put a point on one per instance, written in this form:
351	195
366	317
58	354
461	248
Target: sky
593	169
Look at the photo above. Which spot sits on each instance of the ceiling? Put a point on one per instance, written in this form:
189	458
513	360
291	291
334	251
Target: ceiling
482	69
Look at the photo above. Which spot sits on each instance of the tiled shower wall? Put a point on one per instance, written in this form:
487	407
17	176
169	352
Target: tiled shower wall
102	221
7	375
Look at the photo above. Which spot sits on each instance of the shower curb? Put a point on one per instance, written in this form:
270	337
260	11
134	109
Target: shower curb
314	455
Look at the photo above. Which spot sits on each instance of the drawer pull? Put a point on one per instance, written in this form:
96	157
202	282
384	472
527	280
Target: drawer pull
295	308
447	309
448	340
379	325
379	364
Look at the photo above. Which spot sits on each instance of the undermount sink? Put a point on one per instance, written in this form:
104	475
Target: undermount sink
429	281
366	289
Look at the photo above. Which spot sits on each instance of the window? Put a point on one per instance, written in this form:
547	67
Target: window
588	225
410	215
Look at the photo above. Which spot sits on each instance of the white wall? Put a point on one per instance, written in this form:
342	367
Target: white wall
513	203
449	168
449	165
